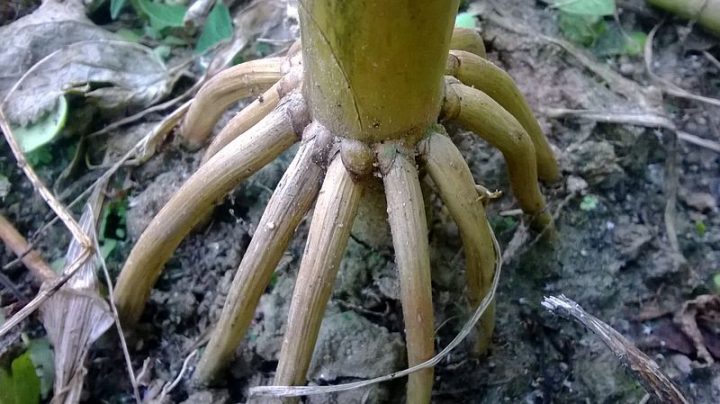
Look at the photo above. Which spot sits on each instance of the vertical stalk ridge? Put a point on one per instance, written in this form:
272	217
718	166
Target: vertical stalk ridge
373	68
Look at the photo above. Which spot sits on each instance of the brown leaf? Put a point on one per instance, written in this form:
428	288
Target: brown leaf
74	317
75	55
704	306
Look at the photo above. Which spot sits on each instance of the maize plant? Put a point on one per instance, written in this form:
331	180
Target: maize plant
365	92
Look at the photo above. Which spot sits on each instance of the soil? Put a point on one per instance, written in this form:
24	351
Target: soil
612	254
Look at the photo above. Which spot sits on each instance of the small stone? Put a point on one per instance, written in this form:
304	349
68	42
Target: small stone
701	201
682	363
631	239
4	187
665	262
627	69
209	397
267	335
595	162
576	184
350	346
716	386
655	174
145	205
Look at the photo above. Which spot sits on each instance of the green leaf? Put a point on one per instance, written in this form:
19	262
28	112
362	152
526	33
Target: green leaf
589	202
161	15
173	40
615	42
39	157
598	8
716	282
465	20
58	265
263	49
218	27
115	7
107	248
129	35
162	52
113	221
43	358
582	29
635	43
44	130
20	385
503	223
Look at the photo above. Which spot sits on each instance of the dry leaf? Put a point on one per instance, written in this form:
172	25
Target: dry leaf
77	57
255	20
704	309
74	317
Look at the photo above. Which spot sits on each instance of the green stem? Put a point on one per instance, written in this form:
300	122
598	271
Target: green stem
374	68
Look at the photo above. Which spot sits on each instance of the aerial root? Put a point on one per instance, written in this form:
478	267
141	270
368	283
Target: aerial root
252	114
291	200
412	256
483	75
456	187
332	220
213	180
469	40
223	89
479	113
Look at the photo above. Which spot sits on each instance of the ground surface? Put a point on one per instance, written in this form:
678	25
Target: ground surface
612	255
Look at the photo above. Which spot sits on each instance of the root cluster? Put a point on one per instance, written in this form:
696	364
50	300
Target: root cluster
331	173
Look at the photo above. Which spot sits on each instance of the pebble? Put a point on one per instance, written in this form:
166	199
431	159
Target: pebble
701	201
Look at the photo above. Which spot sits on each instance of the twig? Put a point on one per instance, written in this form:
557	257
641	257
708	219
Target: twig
645	119
116	317
31	258
642	367
40	187
672	175
10	285
197	13
146	111
296	391
17	151
519	242
168	388
140	151
158	134
711	58
672	179
45	293
619	84
76	316
666	85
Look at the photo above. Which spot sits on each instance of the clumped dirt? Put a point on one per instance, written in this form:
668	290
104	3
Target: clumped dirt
612	254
